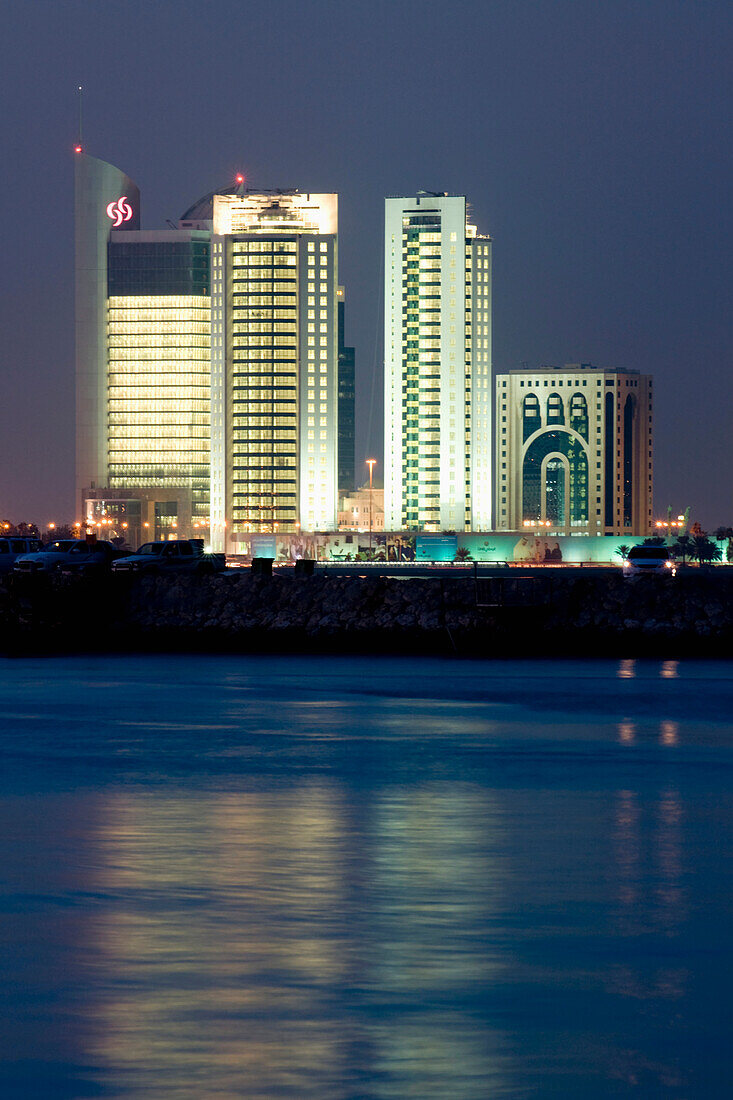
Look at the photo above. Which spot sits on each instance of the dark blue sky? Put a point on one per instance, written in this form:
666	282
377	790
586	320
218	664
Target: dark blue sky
594	142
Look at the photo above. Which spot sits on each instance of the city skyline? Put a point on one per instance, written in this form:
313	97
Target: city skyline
602	172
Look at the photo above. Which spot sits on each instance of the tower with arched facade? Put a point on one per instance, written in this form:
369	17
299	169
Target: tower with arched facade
574	451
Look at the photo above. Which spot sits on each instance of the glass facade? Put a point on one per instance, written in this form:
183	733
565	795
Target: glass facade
264	383
555	479
274	365
158	414
158	267
346	409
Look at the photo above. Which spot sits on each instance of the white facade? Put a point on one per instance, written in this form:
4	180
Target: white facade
438	387
274	365
98	189
574	451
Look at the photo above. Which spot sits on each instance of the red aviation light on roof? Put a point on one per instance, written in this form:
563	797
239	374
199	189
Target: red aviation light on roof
239	178
78	149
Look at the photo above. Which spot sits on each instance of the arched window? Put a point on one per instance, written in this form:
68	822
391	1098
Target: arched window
530	415
555	410
555	490
544	481
609	470
628	461
579	414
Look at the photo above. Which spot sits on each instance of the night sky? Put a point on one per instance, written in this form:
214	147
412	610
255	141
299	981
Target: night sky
593	141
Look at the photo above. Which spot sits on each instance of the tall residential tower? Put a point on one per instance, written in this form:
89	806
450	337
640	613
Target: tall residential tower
438	385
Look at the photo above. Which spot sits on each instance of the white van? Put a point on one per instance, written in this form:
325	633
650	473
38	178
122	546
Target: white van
649	559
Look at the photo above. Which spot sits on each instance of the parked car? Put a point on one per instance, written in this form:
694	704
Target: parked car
184	556
100	560
649	559
13	547
73	554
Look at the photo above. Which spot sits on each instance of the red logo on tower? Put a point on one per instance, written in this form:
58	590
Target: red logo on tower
119	211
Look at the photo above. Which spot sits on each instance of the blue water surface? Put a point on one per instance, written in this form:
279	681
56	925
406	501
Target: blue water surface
339	878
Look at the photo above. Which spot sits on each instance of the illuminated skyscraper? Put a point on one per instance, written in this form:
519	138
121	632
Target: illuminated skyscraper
143	363
274	361
207	362
438	387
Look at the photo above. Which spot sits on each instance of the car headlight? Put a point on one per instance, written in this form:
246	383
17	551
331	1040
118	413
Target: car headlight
669	564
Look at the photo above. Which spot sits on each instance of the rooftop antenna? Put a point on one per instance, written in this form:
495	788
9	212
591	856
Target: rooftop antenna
79	90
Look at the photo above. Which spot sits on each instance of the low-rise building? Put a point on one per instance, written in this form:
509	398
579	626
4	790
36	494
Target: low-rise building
362	510
574	450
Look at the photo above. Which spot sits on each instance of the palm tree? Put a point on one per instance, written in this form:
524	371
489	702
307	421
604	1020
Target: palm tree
463	554
684	548
705	550
622	551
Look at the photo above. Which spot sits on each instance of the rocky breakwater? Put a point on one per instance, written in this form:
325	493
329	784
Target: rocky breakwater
533	613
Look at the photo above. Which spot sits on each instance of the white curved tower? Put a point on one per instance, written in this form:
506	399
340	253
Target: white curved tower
104	199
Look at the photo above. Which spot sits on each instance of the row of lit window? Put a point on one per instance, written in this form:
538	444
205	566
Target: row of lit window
121	319
242	310
125	331
171	307
156	418
285	422
189	432
263	341
171	407
173	380
144	479
274	444
269	315
262	259
120	357
276	408
272	474
289	326
159	458
158	301
284	437
258	244
179	394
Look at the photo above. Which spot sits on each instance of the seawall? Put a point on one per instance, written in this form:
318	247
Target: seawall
547	613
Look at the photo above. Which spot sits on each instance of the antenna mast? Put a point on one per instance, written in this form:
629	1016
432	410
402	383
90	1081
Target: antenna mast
80	91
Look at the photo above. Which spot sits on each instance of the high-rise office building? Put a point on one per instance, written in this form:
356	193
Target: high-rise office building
438	386
142	363
274	360
574	450
207	362
346	404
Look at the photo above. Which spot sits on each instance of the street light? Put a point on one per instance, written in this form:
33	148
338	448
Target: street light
371	463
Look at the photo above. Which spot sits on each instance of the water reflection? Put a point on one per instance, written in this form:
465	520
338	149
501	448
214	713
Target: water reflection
626	732
669	733
297	941
626	670
650	898
669	669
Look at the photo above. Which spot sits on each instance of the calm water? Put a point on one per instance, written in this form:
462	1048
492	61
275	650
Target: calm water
319	878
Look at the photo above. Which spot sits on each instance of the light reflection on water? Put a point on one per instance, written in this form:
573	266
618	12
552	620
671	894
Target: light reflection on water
259	934
357	880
